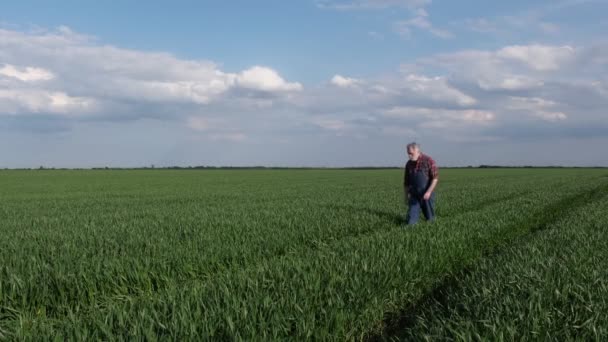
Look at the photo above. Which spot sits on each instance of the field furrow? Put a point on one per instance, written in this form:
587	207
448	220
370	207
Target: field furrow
550	285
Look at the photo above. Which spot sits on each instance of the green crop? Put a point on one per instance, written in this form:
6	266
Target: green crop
251	254
551	284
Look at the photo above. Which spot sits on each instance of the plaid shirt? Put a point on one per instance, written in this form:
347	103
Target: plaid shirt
424	163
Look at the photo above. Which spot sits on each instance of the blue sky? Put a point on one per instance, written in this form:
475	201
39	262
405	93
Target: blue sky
302	83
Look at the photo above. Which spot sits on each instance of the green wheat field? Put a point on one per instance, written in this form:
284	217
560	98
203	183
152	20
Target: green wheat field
515	254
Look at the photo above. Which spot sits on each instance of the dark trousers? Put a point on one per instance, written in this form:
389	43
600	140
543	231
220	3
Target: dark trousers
416	204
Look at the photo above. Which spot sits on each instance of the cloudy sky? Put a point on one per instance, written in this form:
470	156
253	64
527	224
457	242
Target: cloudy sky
303	83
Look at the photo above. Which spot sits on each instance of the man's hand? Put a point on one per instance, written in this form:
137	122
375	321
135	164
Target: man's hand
429	191
427	196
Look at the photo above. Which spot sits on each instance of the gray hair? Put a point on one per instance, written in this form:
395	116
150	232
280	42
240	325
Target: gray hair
413	145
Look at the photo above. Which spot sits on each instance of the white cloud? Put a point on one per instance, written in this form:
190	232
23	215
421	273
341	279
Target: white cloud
511	68
419	21
456	96
551	116
15	101
27	74
477	116
538	57
265	79
344	82
445	124
445	116
537	107
108	75
370	4
437	89
508	82
162	91
356	98
518	102
377	88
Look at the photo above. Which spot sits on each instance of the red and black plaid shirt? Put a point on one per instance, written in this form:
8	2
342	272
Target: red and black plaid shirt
424	164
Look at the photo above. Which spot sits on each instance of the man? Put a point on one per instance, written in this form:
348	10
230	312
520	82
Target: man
419	182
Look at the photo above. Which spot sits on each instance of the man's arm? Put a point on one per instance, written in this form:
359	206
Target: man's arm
434	174
406	183
431	188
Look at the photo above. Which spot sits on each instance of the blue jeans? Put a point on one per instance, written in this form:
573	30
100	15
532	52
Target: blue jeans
417	203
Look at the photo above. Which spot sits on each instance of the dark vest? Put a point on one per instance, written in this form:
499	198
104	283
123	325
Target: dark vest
418	179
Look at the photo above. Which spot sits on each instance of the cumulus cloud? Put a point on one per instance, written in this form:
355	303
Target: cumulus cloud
537	107
359	97
535	86
453	125
511	68
443	116
461	96
26	74
508	82
344	82
16	101
538	57
437	89
265	79
77	71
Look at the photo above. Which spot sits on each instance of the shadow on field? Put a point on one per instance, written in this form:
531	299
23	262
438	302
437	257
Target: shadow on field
385	215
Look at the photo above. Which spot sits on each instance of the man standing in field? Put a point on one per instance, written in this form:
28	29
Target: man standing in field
419	182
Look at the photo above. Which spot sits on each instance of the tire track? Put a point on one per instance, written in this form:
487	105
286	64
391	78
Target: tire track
551	215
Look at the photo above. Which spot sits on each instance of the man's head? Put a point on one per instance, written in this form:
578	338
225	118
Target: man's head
413	151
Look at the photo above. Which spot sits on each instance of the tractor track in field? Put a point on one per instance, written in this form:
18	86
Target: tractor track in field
398	219
396	324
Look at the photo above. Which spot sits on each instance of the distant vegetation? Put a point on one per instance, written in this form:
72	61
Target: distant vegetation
261	167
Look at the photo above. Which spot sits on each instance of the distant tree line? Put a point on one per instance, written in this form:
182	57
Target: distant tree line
260	167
